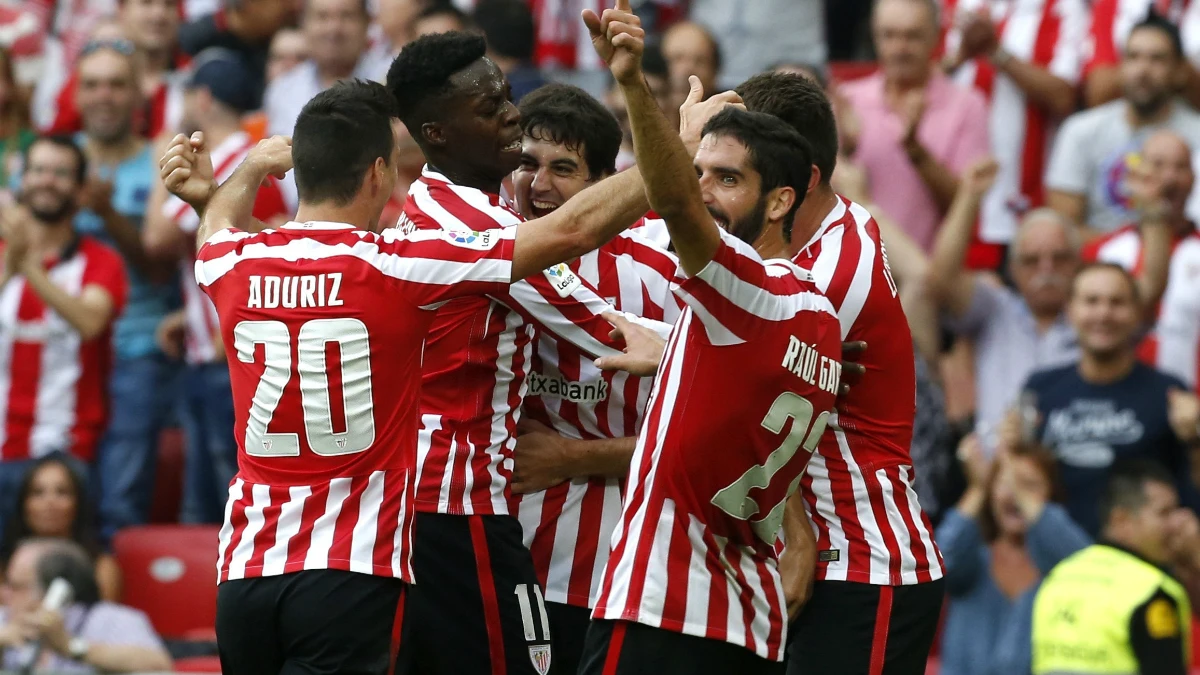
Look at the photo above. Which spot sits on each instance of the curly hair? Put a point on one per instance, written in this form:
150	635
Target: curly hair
801	103
422	71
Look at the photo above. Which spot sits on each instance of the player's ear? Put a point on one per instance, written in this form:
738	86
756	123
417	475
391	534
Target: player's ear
814	180
779	203
433	133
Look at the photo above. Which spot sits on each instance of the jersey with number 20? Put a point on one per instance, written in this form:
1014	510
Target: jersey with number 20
324	324
746	383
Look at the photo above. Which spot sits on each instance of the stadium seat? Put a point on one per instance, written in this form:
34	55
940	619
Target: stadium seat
170	574
168	478
199	664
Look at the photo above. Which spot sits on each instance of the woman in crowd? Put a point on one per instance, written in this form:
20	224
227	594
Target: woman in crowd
15	132
52	502
1004	535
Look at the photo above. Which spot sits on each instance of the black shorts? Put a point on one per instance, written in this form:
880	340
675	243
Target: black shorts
314	621
627	648
570	631
475	606
863	629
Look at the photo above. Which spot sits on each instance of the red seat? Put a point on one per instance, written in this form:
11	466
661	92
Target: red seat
170	574
168	478
199	664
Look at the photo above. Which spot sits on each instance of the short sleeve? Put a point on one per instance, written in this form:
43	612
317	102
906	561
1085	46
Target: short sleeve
434	266
973	141
1067	170
560	302
737	295
106	269
1156	634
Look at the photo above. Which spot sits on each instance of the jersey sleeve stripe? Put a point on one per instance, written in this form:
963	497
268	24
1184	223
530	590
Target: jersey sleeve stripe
576	318
477	200
859	288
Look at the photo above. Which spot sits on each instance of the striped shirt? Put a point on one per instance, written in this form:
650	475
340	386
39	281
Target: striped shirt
324	324
695	550
478	354
53	383
567	527
859	489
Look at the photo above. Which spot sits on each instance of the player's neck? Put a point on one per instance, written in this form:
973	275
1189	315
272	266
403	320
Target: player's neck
111	153
771	245
812	213
1141	118
466	177
896	88
1106	369
49	239
350	214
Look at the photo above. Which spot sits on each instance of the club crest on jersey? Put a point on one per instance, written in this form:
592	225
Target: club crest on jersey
471	239
540	656
563	279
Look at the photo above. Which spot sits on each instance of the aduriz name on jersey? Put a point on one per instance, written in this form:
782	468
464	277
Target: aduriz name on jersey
561	387
814	368
290	292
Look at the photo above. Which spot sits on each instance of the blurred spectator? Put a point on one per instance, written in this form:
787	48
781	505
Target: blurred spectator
288	50
1112	22
754	35
152	28
220	90
1026	58
1014	331
23	38
1005	534
1159	250
392	28
115	196
336	33
1086	178
918	130
15	134
1114	607
508	27
654	68
52	503
1107	406
690	49
89	636
59	294
46	55
244	26
438	17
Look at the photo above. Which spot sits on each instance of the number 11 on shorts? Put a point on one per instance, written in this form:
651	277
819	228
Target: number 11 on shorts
522	592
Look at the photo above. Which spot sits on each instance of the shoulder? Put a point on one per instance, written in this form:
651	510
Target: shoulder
437	204
863	89
1045	380
98	254
1156	379
1087	121
111	612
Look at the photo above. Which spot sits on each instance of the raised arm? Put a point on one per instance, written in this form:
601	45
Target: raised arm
950	283
232	204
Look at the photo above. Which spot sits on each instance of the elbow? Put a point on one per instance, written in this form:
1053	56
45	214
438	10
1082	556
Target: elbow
935	285
1062	101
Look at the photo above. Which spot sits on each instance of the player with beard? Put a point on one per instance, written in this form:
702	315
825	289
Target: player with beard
59	294
879	573
741	398
581	423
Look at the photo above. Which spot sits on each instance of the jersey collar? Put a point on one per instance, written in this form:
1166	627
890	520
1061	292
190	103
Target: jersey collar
316	225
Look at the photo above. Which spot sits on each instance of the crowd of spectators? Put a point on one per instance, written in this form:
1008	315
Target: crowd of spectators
1031	166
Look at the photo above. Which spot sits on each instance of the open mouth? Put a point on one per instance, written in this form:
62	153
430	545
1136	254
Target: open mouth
515	146
542	208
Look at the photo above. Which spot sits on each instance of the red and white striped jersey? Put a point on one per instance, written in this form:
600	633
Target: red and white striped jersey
1049	34
1113	20
54	384
1173	344
655	229
859	487
200	316
477	356
568	527
324	325
722	448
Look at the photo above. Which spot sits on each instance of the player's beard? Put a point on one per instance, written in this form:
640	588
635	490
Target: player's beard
749	227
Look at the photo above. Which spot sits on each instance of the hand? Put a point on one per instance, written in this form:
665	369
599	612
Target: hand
16	634
848	124
1183	413
695	111
1029	498
15	223
978	35
272	155
979	177
976	465
170	335
797	569
852	370
49	626
540	459
1183	538
643	348
187	171
96	196
1146	195
1009	432
912	109
618	39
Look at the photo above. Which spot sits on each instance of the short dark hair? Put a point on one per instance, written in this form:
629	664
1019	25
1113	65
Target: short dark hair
1156	21
67	143
801	103
422	72
567	115
339	135
1126	487
508	27
1125	274
780	155
68	561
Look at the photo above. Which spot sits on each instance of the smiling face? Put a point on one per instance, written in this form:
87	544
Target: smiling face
549	174
480	125
336	32
1104	312
50	182
107	94
732	189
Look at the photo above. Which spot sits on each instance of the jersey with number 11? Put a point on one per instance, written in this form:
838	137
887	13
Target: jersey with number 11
324	324
740	400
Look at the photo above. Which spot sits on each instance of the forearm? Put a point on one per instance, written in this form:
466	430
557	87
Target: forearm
1103	85
126	659
1052	93
946	265
88	321
1156	261
600	458
940	180
129	243
797	529
232	204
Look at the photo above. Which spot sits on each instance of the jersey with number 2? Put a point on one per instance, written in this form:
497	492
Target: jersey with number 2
740	400
324	324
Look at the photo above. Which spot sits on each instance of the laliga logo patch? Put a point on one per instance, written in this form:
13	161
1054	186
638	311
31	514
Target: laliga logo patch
470	239
562	279
540	656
